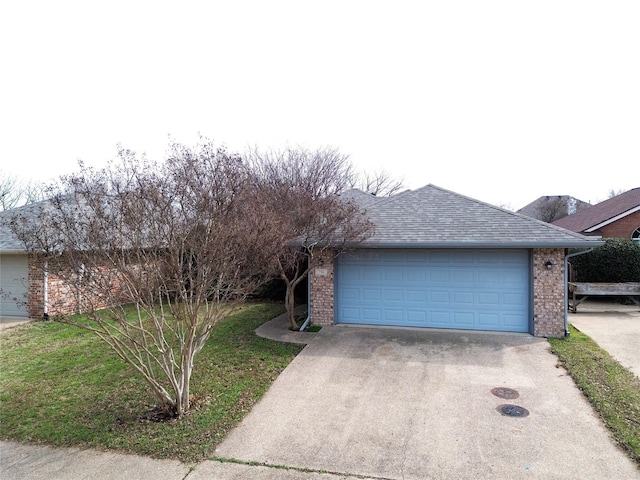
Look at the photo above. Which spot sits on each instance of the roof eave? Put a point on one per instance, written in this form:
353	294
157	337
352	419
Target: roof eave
502	245
612	219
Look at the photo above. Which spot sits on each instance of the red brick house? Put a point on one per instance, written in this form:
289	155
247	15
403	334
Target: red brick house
617	217
439	259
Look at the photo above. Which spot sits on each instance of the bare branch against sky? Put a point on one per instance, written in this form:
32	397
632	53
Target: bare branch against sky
502	101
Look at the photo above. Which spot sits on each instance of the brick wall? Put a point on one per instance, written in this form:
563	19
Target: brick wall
548	293
35	299
322	289
622	228
67	298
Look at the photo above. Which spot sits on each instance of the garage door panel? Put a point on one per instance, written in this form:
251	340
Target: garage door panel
439	296
440	256
417	317
391	274
511	321
393	295
489	298
352	275
351	293
484	289
13	284
371	314
372	294
394	257
514	299
463	319
419	296
394	316
463	298
463	276
440	319
489	321
489	277
415	257
416	274
350	315
439	275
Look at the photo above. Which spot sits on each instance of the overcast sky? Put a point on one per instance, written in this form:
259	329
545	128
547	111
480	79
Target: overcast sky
503	101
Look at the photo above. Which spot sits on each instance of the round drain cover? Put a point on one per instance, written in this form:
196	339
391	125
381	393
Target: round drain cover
512	410
504	392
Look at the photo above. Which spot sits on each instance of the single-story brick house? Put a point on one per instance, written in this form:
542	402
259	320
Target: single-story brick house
616	217
439	259
27	288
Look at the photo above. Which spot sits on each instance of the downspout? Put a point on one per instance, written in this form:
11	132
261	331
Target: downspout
566	287
305	324
45	290
81	272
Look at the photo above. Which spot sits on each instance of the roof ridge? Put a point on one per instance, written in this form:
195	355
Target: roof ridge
511	212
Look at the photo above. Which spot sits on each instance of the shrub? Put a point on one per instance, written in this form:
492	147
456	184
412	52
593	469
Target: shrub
618	260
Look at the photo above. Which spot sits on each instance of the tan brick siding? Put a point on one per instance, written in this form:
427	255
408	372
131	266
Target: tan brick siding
322	295
548	293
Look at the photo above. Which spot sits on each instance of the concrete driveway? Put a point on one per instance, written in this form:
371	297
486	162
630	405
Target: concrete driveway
418	404
614	327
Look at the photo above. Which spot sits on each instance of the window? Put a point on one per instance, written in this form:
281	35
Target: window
635	236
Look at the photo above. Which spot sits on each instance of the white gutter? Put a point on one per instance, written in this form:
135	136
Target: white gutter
305	324
45	290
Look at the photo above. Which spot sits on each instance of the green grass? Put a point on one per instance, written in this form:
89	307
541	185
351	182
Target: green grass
61	385
613	390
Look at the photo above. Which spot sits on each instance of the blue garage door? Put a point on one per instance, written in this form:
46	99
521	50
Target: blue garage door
461	289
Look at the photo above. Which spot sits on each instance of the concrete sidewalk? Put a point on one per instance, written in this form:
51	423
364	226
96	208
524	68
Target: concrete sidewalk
8	322
29	462
614	327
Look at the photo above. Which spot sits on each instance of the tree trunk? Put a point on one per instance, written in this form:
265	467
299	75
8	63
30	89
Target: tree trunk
290	304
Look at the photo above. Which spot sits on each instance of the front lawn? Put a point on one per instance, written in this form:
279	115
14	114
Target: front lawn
613	390
60	385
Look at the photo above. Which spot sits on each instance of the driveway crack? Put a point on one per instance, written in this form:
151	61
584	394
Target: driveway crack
295	469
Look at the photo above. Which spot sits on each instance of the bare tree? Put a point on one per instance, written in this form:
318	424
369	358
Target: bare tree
15	192
380	183
300	191
180	240
552	209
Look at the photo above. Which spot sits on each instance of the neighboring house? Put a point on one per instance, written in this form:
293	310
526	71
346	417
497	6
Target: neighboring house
617	217
439	259
23	286
552	207
27	289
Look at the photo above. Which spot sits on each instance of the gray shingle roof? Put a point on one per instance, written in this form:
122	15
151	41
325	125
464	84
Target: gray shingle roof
9	242
429	217
359	197
432	217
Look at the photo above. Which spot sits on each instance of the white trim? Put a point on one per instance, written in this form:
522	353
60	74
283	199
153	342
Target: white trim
611	220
